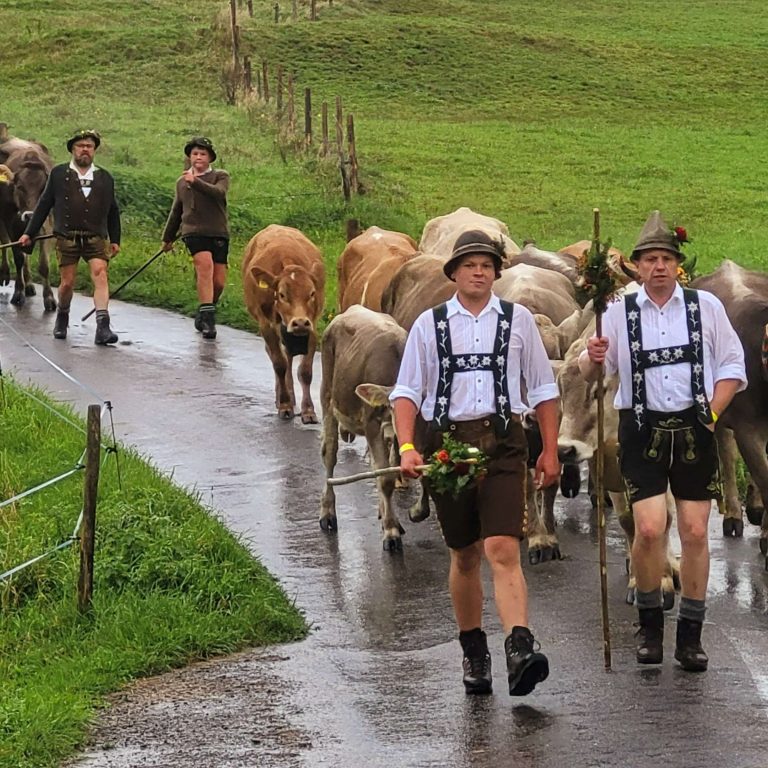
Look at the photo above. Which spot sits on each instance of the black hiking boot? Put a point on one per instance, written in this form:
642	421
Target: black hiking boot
688	650
198	320
104	334
650	636
61	324
476	663
526	667
208	321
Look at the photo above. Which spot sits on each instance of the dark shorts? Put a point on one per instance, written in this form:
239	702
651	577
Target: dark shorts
496	505
218	246
69	250
685	459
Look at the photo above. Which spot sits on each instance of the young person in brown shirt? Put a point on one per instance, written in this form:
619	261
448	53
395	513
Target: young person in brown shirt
200	211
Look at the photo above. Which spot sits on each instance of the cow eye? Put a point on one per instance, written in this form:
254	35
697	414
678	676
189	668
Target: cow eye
281	296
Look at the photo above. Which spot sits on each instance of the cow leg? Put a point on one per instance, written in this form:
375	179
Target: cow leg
20	262
5	270
754	503
329	447
390	525
308	415
43	267
420	510
543	544
29	286
733	522
752	448
281	368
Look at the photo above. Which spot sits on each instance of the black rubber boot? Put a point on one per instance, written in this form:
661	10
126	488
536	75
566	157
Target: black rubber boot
525	667
198	320
688	650
208	321
650	636
104	334
476	663
61	324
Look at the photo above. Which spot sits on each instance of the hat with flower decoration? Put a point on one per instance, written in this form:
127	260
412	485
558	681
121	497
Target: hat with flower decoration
203	142
472	243
656	234
84	133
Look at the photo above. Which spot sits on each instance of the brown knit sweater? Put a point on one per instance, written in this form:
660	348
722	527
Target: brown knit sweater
199	208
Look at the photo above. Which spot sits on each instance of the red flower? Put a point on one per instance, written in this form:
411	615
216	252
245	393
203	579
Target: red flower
681	235
443	457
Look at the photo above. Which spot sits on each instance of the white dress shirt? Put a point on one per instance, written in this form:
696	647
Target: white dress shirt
668	387
80	175
472	393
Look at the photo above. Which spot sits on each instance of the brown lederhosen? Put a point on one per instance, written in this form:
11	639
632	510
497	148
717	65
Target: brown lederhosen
496	505
81	245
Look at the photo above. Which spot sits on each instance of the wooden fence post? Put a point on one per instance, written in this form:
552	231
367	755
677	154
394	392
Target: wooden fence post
235	43
353	180
250	8
295	10
313	10
291	112
247	75
353	229
340	150
265	80
90	494
325	128
259	91
279	94
277	13
307	117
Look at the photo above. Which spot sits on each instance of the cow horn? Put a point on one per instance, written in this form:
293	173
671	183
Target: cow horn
630	272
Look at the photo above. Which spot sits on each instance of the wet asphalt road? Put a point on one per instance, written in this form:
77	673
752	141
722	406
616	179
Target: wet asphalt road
377	683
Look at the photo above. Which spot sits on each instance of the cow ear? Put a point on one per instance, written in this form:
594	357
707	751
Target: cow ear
317	270
374	395
264	280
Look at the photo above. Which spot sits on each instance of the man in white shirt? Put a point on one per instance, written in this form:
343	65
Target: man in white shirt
461	374
679	364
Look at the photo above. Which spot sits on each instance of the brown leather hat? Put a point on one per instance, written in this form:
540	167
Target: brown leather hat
656	234
84	134
471	243
203	142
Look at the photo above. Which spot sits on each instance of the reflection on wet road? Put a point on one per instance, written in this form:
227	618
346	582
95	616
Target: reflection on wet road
378	682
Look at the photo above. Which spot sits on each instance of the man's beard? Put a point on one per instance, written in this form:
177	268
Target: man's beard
83	161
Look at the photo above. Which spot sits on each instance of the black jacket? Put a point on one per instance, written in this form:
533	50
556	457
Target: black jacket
97	214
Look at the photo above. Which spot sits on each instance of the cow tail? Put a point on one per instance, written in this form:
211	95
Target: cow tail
765	353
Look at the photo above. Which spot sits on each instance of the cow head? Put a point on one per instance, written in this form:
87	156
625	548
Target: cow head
297	296
29	182
577	440
377	397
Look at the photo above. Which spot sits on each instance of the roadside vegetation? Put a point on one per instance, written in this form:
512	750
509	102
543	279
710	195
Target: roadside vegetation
532	112
171	586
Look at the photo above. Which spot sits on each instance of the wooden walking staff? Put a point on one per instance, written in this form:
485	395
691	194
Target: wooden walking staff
600	286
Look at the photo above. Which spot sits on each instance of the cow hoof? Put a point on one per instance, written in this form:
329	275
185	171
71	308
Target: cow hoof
416	513
534	556
626	565
630	596
18	299
667	600
29	290
733	528
755	515
308	418
285	415
764	546
50	304
329	524
393	545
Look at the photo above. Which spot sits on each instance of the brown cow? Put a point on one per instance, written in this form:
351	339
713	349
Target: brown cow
368	263
745	297
361	356
440	233
29	165
284	282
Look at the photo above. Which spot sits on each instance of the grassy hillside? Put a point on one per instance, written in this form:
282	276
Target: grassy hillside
534	113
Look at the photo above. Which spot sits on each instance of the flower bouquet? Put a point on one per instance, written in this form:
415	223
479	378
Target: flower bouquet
455	467
687	269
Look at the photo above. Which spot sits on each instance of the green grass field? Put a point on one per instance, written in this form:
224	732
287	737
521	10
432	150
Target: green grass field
171	585
534	113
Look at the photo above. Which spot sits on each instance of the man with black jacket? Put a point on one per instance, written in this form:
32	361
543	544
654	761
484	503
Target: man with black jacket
86	222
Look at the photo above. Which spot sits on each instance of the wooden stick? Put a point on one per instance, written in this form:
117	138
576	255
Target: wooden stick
600	469
3	246
371	474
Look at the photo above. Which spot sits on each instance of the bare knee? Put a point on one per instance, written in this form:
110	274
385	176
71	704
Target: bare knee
466	561
503	551
648	534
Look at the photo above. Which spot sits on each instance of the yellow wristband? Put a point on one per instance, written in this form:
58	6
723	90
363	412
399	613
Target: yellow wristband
715	417
407	447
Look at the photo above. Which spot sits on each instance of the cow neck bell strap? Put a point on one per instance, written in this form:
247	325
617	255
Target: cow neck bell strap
495	361
642	359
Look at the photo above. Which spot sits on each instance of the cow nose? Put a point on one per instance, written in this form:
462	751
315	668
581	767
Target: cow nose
300	325
566	453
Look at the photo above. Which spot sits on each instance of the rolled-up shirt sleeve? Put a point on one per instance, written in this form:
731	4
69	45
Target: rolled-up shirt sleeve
534	363
727	352
412	377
